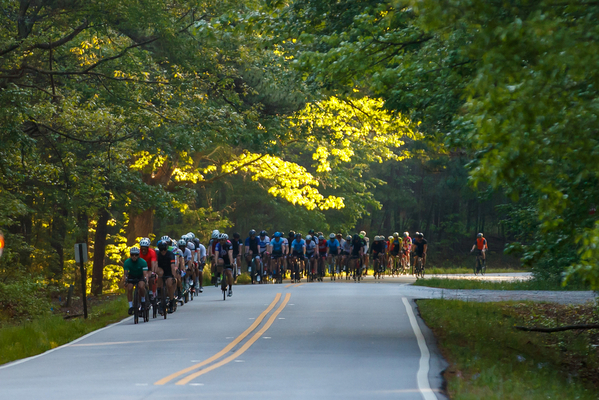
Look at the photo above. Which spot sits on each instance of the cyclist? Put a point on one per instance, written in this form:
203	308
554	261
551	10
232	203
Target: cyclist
420	247
298	253
365	258
345	251
252	251
311	255
186	261
395	245
149	255
290	238
167	271
276	249
322	255
481	247
264	254
224	251
237	248
378	255
136	271
406	248
356	253
332	252
211	255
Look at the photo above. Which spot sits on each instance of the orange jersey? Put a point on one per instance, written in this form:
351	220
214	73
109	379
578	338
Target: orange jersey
481	243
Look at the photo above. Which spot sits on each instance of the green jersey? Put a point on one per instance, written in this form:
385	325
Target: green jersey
136	268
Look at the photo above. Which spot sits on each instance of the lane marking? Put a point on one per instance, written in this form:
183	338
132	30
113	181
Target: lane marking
422	375
130	342
17	362
243	348
291	284
299	284
226	349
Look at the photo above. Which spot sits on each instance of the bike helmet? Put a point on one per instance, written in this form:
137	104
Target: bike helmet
252	233
182	243
191	235
134	250
262	233
420	235
225	236
162	245
390	238
214	235
145	242
165	238
356	236
479	235
278	234
321	237
191	246
308	237
348	238
236	235
332	236
298	235
396	235
406	234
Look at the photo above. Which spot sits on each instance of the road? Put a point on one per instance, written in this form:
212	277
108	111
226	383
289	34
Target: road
329	340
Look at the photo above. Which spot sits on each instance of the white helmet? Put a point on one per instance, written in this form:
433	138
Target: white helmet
215	234
191	235
225	236
145	242
308	237
332	236
182	242
165	238
191	246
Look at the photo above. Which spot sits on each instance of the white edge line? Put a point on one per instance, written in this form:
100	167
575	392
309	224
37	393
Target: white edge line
17	362
422	375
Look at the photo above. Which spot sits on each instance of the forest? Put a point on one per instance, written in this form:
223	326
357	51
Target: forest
147	118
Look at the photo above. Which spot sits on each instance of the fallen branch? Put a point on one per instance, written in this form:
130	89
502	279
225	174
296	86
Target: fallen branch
558	329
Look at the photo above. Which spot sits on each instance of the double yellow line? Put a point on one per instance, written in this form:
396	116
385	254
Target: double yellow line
230	346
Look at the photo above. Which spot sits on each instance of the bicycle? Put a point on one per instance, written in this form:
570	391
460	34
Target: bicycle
163	298
137	307
223	286
481	265
419	267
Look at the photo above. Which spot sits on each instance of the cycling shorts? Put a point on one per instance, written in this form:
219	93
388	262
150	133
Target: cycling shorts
201	266
345	253
310	255
135	279
298	255
274	256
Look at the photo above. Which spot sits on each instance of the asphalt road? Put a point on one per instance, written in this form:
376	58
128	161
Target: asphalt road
329	340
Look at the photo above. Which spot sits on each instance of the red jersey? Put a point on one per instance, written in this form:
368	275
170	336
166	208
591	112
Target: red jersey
322	246
149	257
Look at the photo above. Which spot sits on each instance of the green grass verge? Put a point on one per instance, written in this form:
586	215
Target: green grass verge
47	332
490	360
532	284
464	270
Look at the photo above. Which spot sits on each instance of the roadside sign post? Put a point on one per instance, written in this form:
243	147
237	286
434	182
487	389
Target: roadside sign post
81	257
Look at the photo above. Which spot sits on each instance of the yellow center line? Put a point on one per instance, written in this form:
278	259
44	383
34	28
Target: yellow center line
226	349
299	284
243	348
286	286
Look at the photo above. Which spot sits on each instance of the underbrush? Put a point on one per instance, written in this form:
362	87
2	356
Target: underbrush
489	359
49	331
530	284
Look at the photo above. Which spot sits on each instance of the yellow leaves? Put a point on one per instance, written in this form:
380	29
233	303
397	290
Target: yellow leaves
180	175
288	180
142	159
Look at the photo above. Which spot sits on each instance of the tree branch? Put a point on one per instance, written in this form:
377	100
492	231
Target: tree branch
60	42
558	329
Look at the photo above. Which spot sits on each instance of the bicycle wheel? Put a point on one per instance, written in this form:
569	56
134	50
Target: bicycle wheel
135	305
163	299
223	286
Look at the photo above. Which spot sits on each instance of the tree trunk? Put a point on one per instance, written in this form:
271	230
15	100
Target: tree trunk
58	233
100	252
140	225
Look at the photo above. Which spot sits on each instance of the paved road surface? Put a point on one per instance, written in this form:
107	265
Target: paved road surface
330	340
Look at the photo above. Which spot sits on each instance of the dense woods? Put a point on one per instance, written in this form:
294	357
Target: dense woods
129	119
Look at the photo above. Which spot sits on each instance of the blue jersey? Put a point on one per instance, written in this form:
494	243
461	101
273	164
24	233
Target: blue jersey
264	243
277	245
333	245
298	245
253	244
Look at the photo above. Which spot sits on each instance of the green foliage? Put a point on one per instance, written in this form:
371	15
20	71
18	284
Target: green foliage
529	284
25	298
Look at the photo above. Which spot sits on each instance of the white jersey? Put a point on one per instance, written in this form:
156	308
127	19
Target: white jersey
200	253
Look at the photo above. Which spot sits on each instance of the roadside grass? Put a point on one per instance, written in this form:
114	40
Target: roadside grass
47	332
464	270
530	284
490	360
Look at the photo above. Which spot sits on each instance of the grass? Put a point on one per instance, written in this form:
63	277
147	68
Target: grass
464	270
490	360
531	284
47	332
